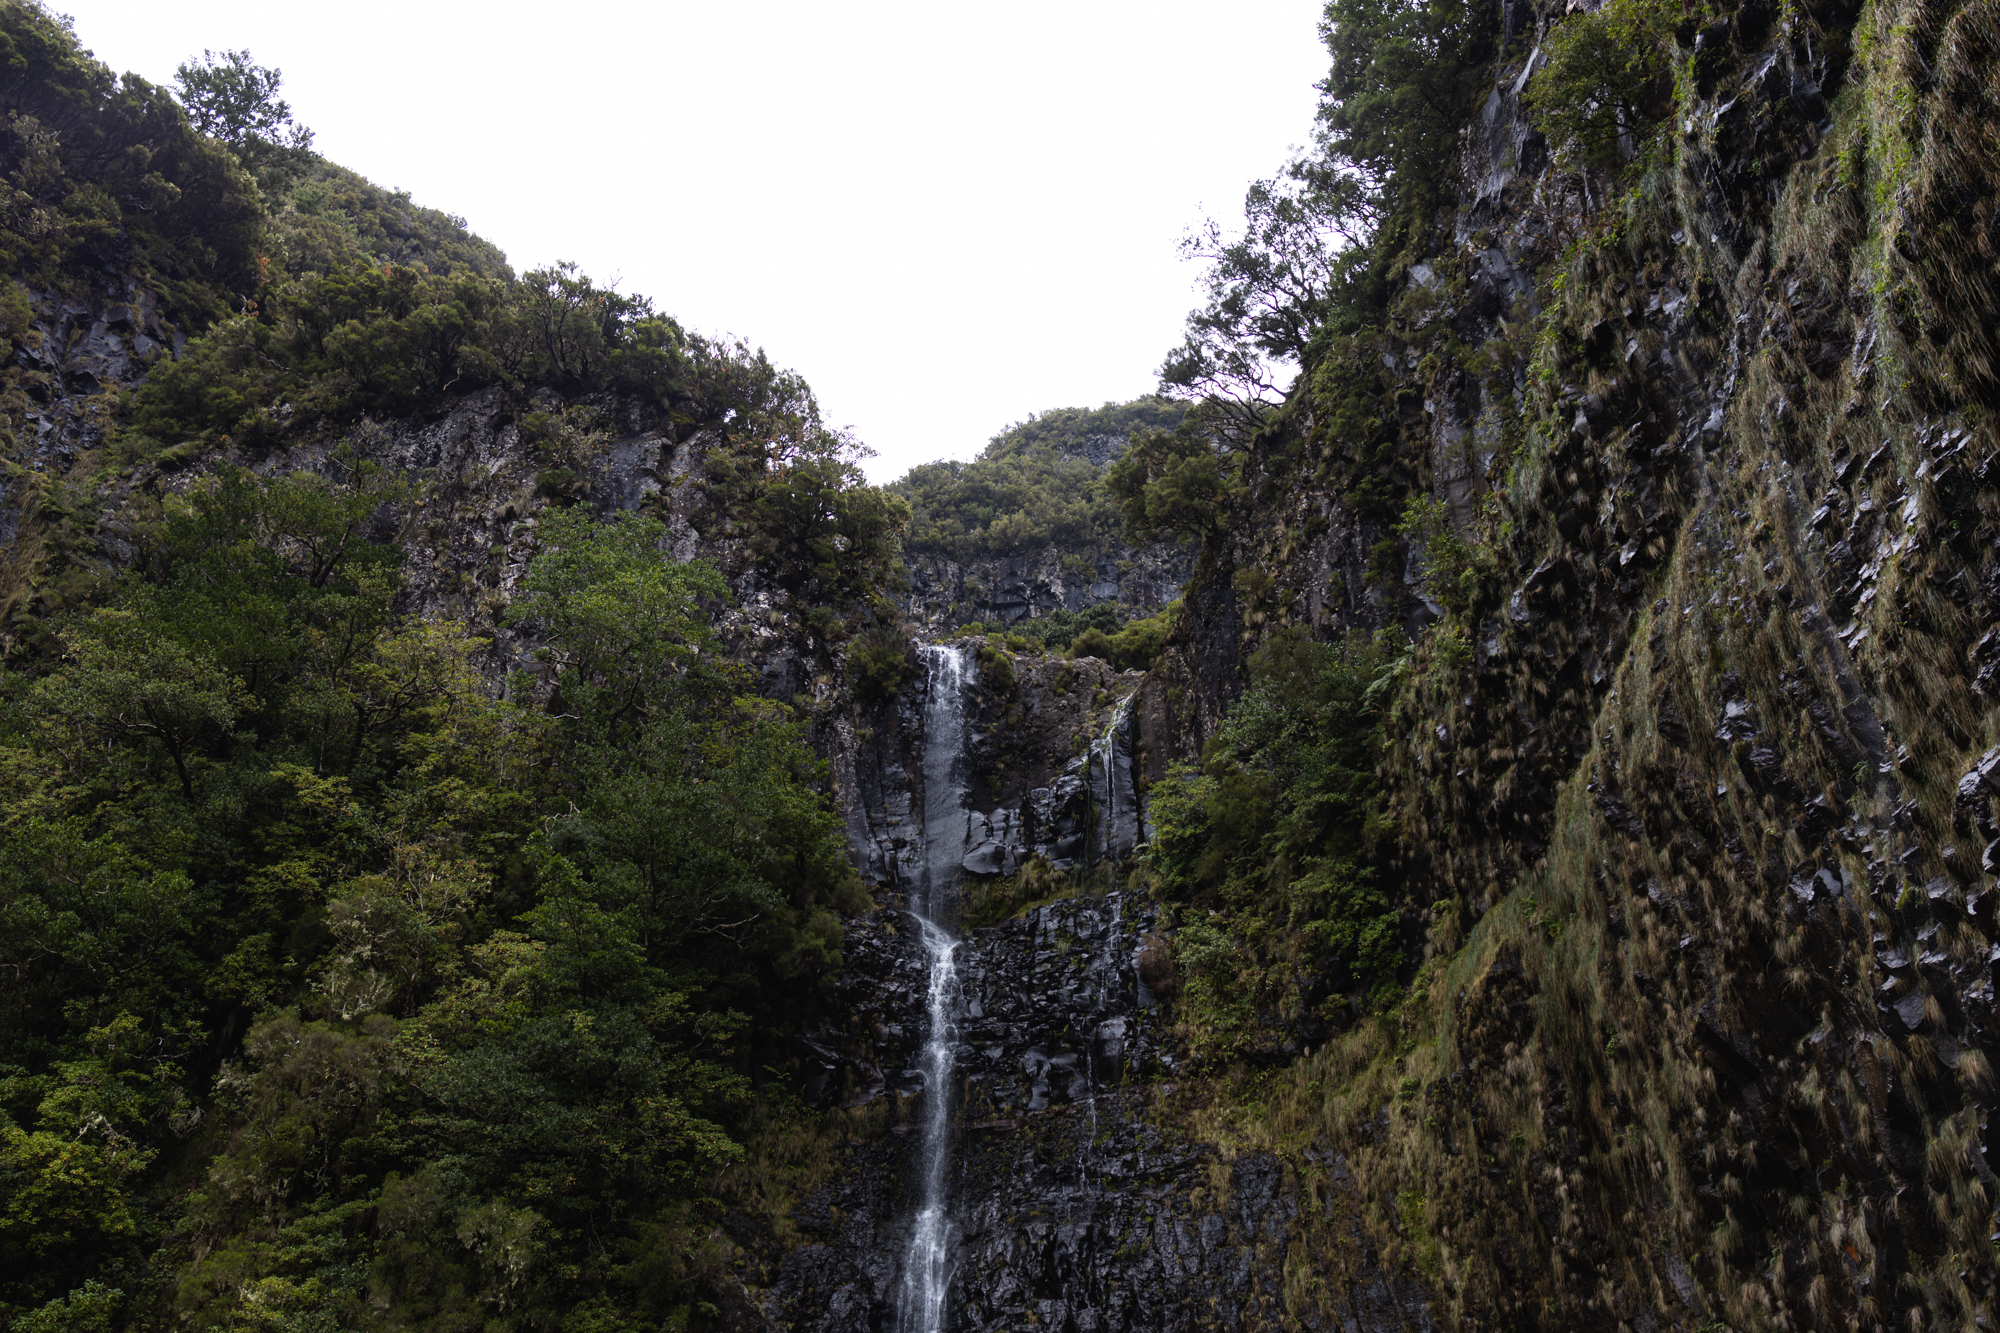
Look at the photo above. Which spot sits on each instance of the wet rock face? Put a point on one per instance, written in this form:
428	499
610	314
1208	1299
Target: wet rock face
1055	753
1111	1226
1080	1202
1053	1010
1073	1206
1101	1222
857	1048
1090	813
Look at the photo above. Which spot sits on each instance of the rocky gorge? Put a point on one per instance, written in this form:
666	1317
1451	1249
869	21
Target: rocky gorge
1697	799
1687	799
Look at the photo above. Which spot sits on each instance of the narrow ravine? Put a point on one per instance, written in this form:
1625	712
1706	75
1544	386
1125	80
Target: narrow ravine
927	1265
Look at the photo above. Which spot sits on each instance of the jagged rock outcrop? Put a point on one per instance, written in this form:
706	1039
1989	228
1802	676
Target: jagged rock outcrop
81	351
80	348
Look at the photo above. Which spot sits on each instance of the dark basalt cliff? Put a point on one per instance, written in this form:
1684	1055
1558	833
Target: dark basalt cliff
1080	1203
1699	790
1702	793
945	593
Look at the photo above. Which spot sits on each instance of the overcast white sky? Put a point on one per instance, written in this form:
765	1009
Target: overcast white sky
946	216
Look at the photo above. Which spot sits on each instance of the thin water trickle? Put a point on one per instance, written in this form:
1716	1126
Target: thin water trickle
927	1266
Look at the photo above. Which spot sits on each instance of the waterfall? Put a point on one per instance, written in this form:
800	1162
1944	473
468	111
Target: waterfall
944	776
927	1266
1119	823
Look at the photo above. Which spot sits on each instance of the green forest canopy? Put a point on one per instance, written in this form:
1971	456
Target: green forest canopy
473	982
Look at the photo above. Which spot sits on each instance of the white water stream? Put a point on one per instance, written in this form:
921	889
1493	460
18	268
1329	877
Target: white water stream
927	1265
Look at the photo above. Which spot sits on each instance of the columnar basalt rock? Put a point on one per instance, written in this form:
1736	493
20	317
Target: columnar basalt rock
1028	585
1055	758
1081	1201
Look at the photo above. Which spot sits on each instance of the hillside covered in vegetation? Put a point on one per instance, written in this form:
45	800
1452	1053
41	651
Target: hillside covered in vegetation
1035	484
347	979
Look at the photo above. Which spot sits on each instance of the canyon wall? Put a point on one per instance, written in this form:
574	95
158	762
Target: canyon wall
1695	791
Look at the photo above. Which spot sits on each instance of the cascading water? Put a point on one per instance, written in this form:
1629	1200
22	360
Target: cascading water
1119	821
927	1266
944	775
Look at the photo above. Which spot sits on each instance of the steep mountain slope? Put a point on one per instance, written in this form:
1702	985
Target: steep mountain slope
1689	783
